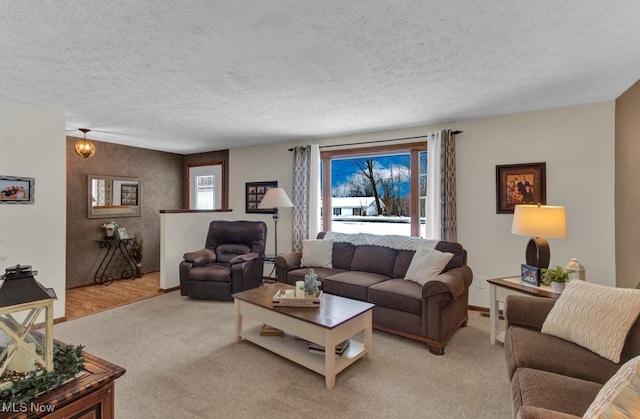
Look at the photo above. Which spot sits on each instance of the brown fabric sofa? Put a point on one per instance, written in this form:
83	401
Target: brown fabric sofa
231	261
430	313
551	377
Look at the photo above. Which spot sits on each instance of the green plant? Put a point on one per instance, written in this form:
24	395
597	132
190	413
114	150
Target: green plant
311	283
68	361
555	274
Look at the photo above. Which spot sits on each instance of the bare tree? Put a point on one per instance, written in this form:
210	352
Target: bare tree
366	170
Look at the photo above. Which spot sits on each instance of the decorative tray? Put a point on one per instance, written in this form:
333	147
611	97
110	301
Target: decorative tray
281	300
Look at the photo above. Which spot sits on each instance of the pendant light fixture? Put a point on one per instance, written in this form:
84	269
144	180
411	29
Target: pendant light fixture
84	147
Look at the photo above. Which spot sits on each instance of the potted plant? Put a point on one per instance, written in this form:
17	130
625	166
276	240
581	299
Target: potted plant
557	277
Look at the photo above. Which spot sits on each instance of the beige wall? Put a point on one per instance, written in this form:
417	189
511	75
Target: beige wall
162	188
32	144
577	144
627	195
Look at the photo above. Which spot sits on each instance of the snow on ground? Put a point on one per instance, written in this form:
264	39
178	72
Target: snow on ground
379	227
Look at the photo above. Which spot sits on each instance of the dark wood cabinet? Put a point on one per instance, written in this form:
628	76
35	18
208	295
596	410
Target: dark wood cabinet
89	396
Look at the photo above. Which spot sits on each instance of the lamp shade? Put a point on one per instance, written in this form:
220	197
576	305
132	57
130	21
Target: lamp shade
275	198
539	221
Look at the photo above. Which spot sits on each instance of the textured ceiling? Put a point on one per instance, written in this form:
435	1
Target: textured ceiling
200	75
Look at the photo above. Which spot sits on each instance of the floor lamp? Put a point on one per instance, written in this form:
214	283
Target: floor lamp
275	198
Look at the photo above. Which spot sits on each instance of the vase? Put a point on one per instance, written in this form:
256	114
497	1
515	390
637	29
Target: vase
109	232
557	287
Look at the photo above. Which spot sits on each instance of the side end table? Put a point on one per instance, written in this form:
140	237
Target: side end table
499	289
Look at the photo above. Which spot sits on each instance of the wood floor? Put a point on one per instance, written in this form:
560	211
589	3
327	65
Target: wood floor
91	299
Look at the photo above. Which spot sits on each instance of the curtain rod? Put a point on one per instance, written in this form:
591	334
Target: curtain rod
381	141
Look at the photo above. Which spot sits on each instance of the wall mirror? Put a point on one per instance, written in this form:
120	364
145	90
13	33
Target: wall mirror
114	196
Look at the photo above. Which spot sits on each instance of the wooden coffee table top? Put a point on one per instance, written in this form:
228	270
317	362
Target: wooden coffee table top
333	311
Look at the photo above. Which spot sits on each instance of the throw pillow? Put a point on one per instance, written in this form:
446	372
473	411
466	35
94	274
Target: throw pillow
620	396
594	316
426	264
317	253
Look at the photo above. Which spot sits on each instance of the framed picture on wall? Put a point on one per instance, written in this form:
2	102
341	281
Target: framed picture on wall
17	190
128	194
520	184
254	193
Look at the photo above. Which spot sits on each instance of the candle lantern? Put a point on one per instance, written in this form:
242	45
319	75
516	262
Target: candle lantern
22	302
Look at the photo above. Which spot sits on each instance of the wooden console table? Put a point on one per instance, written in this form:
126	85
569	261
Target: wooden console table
91	395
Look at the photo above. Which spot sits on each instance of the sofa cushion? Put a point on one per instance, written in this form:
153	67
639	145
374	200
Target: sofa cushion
402	262
397	294
547	390
426	265
298	274
376	259
317	253
594	316
352	284
342	255
532	349
620	396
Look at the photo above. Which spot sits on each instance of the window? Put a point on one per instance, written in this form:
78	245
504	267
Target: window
205	192
205	186
379	190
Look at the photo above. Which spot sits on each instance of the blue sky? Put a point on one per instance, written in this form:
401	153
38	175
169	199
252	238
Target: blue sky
343	169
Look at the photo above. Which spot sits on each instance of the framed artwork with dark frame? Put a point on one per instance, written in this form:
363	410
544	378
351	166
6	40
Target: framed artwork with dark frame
520	184
17	190
254	193
128	194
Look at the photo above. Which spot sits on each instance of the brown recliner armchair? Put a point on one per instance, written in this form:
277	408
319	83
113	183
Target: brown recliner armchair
232	261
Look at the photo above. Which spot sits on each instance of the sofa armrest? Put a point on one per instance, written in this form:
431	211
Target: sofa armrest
531	412
289	261
526	311
247	257
200	257
455	281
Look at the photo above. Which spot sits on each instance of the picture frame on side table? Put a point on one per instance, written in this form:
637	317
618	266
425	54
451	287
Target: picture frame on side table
122	233
530	275
254	193
17	190
520	184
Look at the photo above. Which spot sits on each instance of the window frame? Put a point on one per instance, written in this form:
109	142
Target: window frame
413	149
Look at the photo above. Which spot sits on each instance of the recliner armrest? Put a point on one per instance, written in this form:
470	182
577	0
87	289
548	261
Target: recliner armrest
455	281
527	311
200	257
244	258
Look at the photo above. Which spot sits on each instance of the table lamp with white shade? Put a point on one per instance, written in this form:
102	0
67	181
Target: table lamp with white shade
275	198
540	222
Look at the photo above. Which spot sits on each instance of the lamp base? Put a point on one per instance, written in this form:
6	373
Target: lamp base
538	253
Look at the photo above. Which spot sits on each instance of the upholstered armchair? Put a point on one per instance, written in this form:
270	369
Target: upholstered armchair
232	261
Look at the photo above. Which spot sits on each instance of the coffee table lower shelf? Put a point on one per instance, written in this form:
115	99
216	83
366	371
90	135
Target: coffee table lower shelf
336	320
297	350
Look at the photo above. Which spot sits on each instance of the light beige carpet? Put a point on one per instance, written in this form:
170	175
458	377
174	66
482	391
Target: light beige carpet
182	362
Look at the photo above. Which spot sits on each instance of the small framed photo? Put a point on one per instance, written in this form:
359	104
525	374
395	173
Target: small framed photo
17	190
520	184
530	275
122	233
254	193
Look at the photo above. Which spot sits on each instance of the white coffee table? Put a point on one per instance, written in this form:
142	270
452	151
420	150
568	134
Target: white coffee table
336	320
